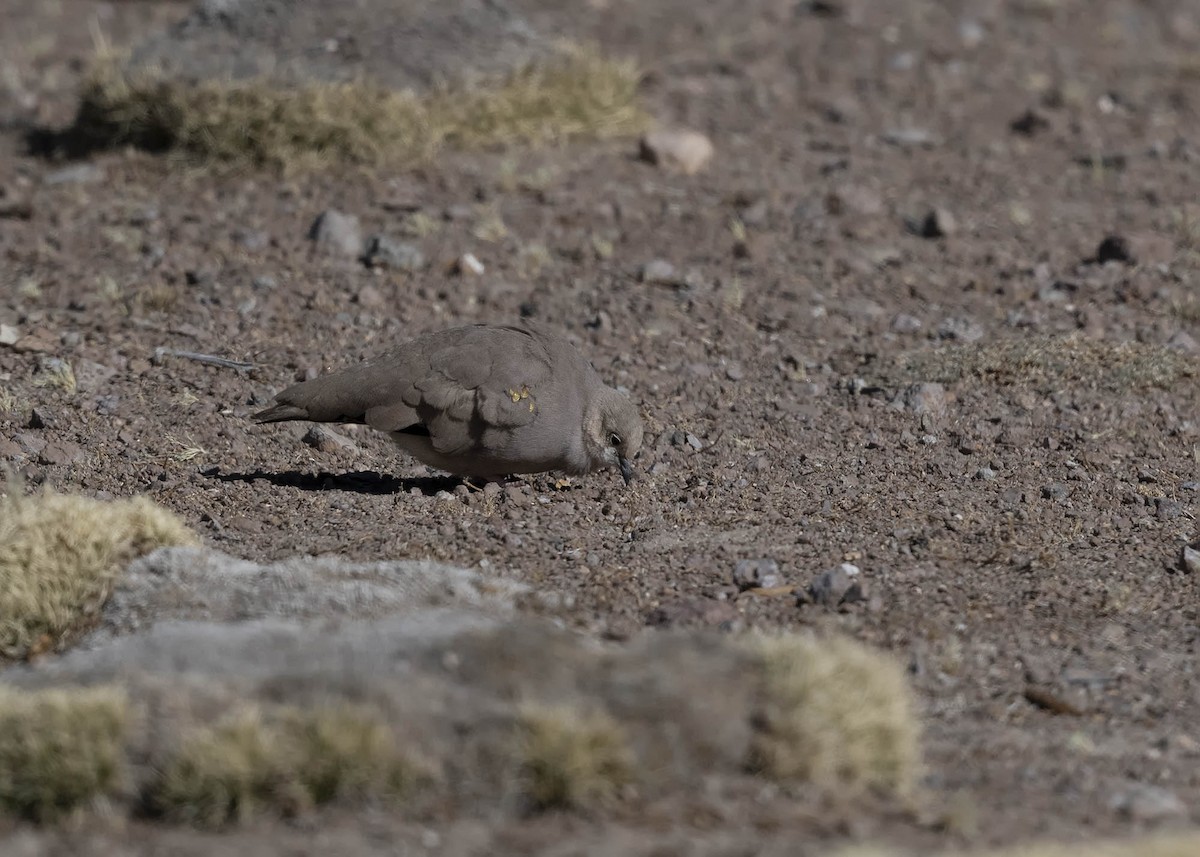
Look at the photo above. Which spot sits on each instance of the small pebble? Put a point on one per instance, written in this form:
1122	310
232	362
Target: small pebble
467	264
756	574
680	150
938	223
659	271
337	234
385	252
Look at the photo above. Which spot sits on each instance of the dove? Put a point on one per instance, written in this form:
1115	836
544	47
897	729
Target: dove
483	401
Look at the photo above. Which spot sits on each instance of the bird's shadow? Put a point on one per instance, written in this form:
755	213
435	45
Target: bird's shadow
359	482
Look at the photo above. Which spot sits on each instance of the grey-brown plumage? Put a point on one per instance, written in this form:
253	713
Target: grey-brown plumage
483	401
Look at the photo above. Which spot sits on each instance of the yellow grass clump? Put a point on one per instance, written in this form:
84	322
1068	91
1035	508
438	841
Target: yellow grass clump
1156	845
281	763
265	123
60	749
834	713
59	557
572	759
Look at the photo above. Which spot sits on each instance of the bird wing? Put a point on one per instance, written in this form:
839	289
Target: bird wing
481	385
470	387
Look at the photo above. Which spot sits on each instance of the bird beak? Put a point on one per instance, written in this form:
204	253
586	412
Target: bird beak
626	470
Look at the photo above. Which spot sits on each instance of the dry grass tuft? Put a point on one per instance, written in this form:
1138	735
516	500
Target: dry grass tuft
1150	846
582	95
1050	362
57	373
281	763
1156	845
59	556
836	714
572	759
60	749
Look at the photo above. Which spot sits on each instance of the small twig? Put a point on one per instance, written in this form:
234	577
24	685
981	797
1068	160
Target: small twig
210	359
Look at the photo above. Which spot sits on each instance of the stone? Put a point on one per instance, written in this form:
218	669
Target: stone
1029	123
834	587
1189	559
9	334
327	440
41	418
337	234
61	453
385	252
468	265
1115	248
922	399
694	611
757	574
960	329
938	223
678	150
1147	804
906	324
413	45
659	271
75	174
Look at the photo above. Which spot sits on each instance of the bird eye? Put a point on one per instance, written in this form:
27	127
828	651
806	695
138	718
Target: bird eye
614	439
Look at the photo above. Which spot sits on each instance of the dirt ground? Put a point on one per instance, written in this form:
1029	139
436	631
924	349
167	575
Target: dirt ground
904	195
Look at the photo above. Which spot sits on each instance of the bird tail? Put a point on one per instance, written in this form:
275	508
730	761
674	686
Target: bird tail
281	413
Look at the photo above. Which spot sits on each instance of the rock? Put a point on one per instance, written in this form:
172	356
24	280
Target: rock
659	271
9	334
1185	342
370	297
412	45
37	342
757	574
1115	248
385	252
173	584
76	174
1147	804
922	399
858	200
960	329
911	138
327	440
31	444
985	474
90	375
468	265
971	33
904	323
1055	491
1029	123
60	453
41	418
200	277
938	223
694	612
1189	559
252	240
678	150
337	234
836	586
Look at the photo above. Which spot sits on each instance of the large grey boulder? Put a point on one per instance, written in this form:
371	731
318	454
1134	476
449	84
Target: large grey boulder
399	44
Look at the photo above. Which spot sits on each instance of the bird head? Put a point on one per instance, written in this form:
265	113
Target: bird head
613	432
